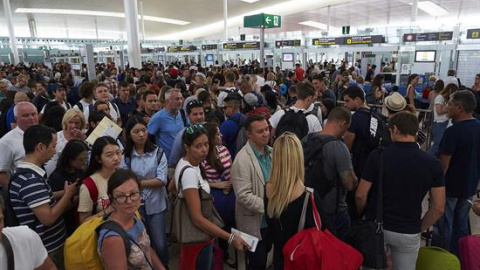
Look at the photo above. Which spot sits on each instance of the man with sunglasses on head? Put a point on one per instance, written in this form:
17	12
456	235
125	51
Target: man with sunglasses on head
196	116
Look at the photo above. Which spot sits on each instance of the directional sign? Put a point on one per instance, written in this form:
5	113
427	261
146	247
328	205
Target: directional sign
434	36
241	46
262	20
473	33
288	43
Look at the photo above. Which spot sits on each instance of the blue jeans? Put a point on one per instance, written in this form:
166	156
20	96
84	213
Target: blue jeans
205	258
156	226
454	224
437	133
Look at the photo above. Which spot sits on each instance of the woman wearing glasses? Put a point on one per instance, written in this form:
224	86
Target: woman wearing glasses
195	144
149	163
104	160
124	193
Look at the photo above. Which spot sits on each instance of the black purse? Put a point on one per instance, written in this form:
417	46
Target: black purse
367	235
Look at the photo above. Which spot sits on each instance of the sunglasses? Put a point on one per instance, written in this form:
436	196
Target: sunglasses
193	128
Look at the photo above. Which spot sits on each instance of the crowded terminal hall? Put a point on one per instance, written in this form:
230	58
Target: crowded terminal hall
240	134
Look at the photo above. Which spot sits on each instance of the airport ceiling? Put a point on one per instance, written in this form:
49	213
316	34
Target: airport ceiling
200	18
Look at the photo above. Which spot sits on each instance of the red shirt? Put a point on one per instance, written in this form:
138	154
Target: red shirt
300	73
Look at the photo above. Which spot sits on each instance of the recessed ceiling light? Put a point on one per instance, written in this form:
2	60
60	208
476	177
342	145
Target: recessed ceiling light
95	13
250	1
432	8
314	24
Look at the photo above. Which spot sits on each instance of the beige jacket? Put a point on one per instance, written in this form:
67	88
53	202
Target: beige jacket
248	183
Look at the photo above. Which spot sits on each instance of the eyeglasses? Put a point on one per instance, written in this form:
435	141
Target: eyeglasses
123	198
193	128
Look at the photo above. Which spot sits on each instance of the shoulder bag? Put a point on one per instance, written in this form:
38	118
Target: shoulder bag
367	235
183	228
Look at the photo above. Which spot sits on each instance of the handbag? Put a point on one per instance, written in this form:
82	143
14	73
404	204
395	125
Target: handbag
315	249
183	228
367	235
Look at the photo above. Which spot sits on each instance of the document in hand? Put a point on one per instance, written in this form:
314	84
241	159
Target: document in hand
252	241
106	127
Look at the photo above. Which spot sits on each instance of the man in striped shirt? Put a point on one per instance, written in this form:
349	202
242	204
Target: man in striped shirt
32	198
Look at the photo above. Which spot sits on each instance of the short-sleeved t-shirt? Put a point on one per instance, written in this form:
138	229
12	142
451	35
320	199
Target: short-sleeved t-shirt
439	118
165	127
191	177
28	249
461	141
30	190
137	252
409	173
336	159
12	151
360	126
86	204
313	122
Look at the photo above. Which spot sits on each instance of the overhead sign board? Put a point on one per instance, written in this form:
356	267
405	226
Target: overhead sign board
288	43
262	20
182	49
356	40
473	33
434	36
364	40
326	41
241	46
208	47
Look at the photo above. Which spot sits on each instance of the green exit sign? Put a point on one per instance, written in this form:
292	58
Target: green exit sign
262	20
346	30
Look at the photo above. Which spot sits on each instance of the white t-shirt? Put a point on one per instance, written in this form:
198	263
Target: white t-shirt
11	150
28	250
439	118
84	105
65	105
260	82
313	123
52	163
191	177
450	80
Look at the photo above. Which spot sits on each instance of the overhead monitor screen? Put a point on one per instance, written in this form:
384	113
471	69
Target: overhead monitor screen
425	56
287	57
209	57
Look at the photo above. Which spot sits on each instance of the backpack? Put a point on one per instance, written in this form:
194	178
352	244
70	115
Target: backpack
293	121
240	138
315	249
315	176
378	130
81	248
10	218
80	106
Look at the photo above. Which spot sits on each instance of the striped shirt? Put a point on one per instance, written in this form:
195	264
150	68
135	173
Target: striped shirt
212	174
29	190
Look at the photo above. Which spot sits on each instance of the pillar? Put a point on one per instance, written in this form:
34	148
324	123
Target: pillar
133	42
11	33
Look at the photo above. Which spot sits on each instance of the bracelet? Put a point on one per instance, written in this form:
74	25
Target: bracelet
231	238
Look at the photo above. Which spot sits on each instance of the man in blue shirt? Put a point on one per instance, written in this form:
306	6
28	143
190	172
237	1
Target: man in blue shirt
460	159
231	127
125	103
166	123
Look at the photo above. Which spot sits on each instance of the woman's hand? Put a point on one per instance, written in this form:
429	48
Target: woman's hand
240	244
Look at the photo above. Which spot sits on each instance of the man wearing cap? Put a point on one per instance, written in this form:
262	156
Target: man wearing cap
231	127
196	116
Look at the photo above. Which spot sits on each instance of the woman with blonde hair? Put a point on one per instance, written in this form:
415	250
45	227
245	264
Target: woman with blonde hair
285	194
73	127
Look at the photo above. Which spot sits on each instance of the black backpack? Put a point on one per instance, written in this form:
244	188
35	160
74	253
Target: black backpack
10	218
378	130
293	121
315	176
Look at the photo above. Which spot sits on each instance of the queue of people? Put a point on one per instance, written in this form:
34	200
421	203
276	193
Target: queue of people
224	140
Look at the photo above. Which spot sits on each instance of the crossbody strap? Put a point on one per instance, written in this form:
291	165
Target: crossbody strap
180	178
379	214
9	250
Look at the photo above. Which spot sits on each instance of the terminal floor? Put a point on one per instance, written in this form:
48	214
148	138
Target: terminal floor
175	249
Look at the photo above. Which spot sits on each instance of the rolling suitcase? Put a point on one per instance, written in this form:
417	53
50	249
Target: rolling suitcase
469	248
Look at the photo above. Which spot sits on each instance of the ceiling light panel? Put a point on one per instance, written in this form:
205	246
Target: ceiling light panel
314	24
432	8
95	13
250	1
